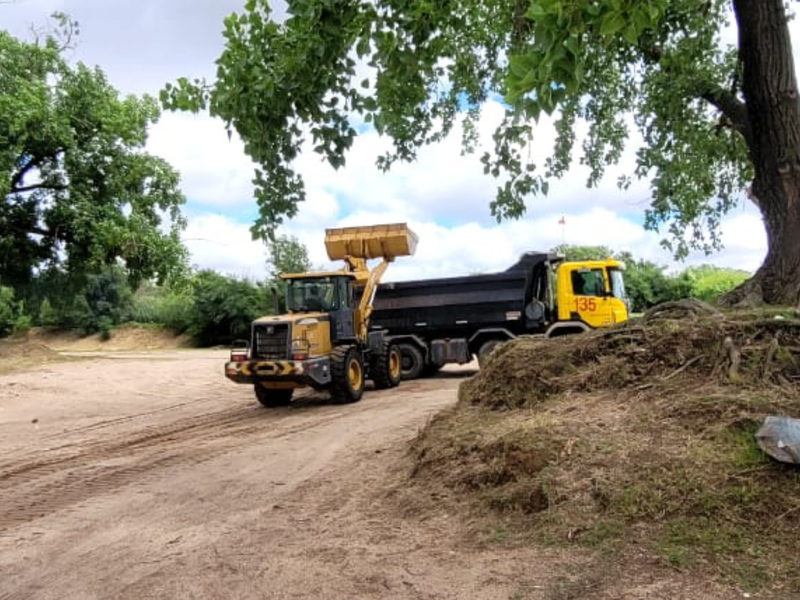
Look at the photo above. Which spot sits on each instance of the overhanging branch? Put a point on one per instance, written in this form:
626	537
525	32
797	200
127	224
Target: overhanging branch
732	109
38	186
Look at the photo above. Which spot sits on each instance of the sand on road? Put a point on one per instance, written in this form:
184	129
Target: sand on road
149	475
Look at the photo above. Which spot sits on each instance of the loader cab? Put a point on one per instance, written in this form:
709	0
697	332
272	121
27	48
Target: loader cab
330	293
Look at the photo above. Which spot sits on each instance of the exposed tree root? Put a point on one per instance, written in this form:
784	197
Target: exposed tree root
769	356
747	295
680	309
731	358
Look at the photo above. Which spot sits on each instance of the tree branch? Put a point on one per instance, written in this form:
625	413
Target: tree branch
38	186
732	109
39	231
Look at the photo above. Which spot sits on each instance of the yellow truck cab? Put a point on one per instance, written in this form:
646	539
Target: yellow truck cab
590	292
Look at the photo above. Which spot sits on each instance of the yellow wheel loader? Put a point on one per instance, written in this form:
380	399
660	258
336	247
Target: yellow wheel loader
324	341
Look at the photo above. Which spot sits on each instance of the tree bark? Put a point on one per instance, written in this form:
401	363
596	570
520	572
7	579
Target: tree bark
769	86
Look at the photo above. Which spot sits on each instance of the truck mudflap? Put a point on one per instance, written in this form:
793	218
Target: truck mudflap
315	372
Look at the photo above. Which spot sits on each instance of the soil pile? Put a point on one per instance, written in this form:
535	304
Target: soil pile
686	339
130	336
637	443
20	353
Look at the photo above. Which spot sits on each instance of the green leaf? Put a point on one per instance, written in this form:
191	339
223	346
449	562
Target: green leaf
611	24
631	34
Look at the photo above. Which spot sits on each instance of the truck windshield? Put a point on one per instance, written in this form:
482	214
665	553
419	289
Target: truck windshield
311	294
617	284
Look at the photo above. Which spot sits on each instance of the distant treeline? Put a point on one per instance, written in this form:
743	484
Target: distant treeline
215	308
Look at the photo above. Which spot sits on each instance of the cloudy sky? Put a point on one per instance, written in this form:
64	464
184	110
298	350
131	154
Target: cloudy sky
444	197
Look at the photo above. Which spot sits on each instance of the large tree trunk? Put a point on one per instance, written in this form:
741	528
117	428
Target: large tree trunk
773	111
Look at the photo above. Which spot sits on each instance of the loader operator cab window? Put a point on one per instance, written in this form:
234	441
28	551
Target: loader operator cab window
588	282
312	295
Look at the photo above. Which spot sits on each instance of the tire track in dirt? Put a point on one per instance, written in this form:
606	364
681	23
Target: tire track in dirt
33	486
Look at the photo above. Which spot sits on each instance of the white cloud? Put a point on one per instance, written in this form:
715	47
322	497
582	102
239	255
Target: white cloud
218	242
473	247
215	172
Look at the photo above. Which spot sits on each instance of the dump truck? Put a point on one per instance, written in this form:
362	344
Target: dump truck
325	341
456	319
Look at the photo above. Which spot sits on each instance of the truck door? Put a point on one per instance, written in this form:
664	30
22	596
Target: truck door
590	297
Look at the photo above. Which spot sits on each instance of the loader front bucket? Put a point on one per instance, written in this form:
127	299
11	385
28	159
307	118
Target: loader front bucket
370	241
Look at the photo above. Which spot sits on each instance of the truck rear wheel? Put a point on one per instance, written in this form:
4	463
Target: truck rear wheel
386	367
485	350
347	374
411	361
272	398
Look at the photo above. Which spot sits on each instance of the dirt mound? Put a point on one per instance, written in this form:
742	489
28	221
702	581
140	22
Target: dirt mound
637	443
124	337
687	339
21	353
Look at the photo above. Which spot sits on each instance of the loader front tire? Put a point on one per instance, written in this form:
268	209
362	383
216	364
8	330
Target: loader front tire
386	366
347	375
273	398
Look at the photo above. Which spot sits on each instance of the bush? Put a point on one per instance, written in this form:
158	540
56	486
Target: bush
13	318
48	316
98	303
172	309
8	310
224	307
106	301
709	282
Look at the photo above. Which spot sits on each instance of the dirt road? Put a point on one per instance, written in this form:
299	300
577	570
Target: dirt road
152	476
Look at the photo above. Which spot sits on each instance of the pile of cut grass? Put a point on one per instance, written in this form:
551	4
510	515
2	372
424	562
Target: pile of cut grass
636	442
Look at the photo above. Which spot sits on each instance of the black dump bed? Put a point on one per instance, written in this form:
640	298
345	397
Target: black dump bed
455	306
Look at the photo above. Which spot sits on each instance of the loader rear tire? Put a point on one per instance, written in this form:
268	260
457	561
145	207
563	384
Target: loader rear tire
347	374
272	398
386	367
412	361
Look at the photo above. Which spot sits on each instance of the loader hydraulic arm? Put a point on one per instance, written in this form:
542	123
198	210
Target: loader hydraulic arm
368	296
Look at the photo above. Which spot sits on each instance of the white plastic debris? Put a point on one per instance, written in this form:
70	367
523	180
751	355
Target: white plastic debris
779	437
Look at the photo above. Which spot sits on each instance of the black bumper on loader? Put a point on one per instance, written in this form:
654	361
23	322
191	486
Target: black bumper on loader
315	372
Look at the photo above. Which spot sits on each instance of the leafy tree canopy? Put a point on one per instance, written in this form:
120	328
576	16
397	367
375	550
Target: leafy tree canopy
658	61
77	189
288	255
